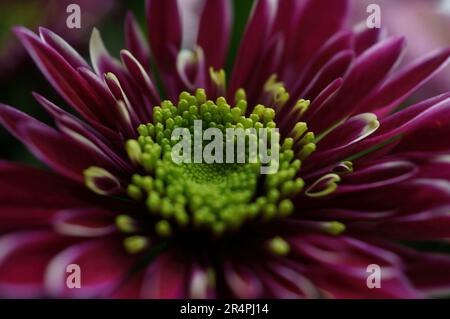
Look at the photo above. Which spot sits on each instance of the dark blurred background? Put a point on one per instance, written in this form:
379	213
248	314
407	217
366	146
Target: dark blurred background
424	22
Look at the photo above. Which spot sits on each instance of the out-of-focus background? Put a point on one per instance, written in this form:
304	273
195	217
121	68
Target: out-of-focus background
425	23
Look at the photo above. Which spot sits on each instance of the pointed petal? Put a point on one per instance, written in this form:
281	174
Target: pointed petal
164	27
242	281
63	48
103	264
252	44
84	222
165	279
23	259
215	20
403	84
366	73
135	41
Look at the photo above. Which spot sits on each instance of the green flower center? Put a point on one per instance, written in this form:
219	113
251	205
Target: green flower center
218	197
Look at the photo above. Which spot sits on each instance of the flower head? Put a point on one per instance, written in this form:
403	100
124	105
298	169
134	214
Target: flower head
356	180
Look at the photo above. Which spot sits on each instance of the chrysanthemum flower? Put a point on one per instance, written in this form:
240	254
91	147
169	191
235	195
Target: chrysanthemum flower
358	179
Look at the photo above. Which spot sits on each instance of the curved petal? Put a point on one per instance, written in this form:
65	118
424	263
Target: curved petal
165	278
84	222
135	41
253	41
50	146
215	20
23	260
367	72
242	281
103	266
401	85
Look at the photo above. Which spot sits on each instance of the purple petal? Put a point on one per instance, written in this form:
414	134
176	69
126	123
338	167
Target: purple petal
321	18
330	71
242	281
252	45
38	187
200	284
138	73
165	36
103	264
135	41
351	131
191	68
165	279
84	222
23	260
215	20
61	75
378	175
403	84
56	112
164	28
49	145
428	225
63	48
404	122
342	41
367	72
366	38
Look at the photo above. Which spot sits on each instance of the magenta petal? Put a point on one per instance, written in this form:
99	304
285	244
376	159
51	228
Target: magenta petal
56	150
366	38
341	267
428	225
46	143
252	44
165	278
138	73
28	196
164	31
340	42
324	98
332	70
103	264
11	118
405	122
344	214
135	41
378	175
86	138
23	260
242	281
403	84
284	279
60	74
200	285
38	187
367	72
131	287
215	20
165	36
63	48
84	222
429	273
324	19
351	131
100	88
191	68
